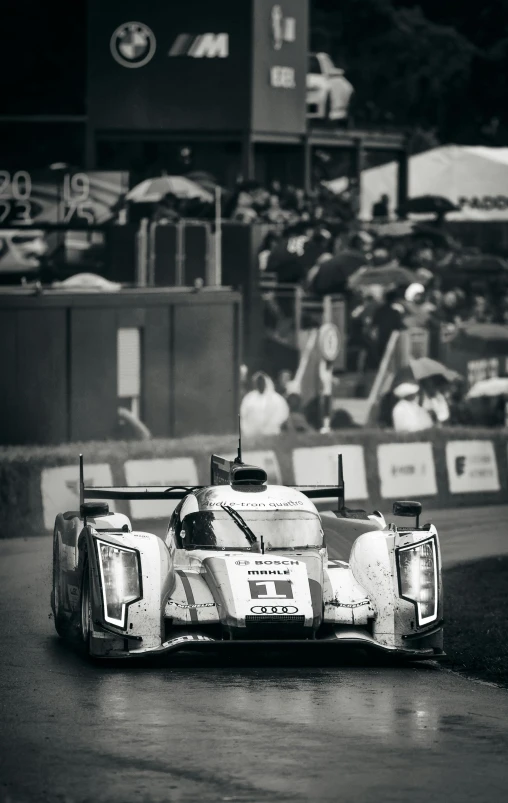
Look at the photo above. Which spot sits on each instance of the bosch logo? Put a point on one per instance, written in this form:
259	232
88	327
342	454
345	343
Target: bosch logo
274	609
241	562
133	44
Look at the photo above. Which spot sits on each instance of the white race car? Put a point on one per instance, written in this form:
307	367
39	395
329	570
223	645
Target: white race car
328	90
245	565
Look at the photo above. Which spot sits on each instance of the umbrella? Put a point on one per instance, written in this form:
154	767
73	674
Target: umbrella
153	190
333	274
424	368
429	205
495	386
481	263
206	181
385	276
484	339
200	176
438	236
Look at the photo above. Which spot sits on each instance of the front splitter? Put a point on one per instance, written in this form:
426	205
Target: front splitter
206	644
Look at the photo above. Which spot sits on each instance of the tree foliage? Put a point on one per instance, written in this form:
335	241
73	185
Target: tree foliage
436	65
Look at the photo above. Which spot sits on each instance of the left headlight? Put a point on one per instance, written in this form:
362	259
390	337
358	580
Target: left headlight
418	578
120	581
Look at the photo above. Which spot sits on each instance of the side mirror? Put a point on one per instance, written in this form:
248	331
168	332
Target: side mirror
409	509
90	510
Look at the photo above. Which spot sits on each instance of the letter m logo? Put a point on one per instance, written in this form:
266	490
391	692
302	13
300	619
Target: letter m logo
204	46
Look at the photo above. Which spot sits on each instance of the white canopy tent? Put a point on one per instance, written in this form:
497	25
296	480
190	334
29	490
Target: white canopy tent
473	178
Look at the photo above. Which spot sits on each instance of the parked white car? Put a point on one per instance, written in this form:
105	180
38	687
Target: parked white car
328	90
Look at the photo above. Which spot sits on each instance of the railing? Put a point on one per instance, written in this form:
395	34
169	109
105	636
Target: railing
301	313
401	348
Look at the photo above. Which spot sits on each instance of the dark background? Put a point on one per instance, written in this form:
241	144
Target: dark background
170	93
436	66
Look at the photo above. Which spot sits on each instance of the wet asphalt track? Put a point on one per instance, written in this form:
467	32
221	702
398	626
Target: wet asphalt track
263	731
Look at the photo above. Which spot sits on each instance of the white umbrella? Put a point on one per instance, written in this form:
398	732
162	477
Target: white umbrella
495	386
153	190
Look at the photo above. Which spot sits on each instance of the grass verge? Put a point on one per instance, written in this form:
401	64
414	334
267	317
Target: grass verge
476	633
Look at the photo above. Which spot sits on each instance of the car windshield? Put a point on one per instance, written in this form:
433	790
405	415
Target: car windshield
279	529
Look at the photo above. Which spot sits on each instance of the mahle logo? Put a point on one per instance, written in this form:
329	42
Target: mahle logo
133	44
203	46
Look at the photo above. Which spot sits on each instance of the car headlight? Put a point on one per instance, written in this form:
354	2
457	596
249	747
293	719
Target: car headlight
418	580
120	581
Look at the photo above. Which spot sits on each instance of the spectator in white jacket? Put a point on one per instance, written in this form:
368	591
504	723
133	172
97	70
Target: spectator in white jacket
263	411
408	415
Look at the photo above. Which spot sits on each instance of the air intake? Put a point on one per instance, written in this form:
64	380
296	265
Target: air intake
247	475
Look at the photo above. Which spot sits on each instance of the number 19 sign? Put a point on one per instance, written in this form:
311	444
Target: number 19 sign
43	197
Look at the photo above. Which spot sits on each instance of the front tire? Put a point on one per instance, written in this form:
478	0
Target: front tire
85	612
61	623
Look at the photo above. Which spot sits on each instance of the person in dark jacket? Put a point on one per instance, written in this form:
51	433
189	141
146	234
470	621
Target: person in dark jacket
386	319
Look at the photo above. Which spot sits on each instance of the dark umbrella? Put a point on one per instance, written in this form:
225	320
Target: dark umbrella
437	235
429	205
483	339
202	175
333	274
386	276
482	263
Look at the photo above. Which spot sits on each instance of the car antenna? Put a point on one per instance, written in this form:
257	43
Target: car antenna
82	490
239	454
341	487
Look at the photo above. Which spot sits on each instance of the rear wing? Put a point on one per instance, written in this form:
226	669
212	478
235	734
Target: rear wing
222	471
328	492
131	491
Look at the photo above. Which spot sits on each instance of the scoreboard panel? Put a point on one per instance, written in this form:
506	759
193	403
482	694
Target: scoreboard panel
31	198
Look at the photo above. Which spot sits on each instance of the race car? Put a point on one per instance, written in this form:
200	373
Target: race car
244	564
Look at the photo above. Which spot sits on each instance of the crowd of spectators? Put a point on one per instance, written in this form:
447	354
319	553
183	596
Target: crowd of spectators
283	207
388	285
417	277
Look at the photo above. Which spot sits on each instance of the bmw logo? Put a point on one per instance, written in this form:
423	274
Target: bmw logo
133	44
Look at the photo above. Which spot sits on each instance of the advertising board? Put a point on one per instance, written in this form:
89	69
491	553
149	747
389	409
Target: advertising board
28	197
471	466
318	465
161	471
60	488
406	470
193	66
170	66
279	67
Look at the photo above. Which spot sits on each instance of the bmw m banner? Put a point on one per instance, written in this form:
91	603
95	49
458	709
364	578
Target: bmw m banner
198	65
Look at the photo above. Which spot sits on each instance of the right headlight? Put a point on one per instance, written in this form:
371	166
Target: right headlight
418	578
120	580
